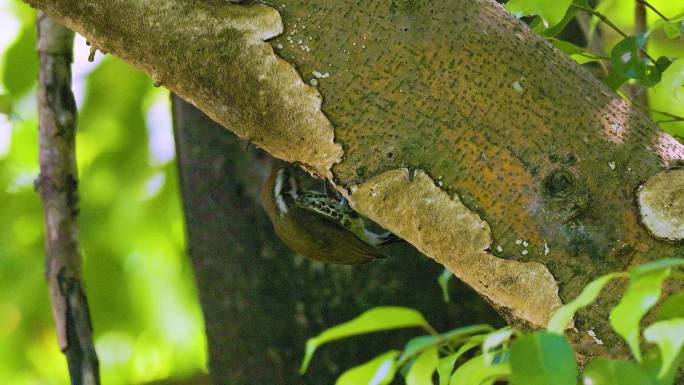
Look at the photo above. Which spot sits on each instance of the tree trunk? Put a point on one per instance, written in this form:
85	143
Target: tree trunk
261	303
449	123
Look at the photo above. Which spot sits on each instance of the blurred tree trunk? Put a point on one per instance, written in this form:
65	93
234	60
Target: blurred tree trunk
260	302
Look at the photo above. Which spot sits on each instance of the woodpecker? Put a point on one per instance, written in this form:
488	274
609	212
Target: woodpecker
317	226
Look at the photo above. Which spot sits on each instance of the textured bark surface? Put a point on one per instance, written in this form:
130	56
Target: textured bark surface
58	188
260	303
544	154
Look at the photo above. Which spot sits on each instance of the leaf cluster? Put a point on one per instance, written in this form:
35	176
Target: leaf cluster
479	354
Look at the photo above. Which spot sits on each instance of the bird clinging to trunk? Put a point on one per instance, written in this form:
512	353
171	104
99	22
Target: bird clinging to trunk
317	226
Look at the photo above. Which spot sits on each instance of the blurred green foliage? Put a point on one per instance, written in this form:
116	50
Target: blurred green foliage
621	12
143	302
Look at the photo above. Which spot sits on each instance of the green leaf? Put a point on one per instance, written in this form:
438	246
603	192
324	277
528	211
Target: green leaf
672	307
495	343
443	281
423	367
614	80
580	55
569	16
417	345
475	372
21	63
542	358
562	317
669	336
656	265
5	104
378	371
551	11
672	83
614	372
662	63
566	46
652	364
626	57
446	365
641	294
672	28
420	343
373	320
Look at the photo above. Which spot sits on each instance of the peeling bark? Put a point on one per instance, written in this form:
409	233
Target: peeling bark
521	290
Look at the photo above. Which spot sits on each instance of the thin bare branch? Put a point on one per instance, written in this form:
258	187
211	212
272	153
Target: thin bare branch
652	8
57	185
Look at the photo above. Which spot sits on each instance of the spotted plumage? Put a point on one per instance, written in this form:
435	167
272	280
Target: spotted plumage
317	226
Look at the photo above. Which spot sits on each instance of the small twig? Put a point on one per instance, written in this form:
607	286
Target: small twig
637	90
609	23
57	185
670	120
674	118
602	17
652	8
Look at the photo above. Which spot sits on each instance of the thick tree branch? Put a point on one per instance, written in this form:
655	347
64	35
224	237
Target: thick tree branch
57	185
463	131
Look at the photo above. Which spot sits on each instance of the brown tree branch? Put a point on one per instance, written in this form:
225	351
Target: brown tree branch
57	185
449	123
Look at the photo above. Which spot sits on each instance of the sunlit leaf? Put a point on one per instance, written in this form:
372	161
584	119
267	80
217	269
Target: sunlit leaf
580	55
614	372
656	265
669	336
420	343
443	281
496	342
5	104
551	11
542	358
567	18
21	63
376	319
566	46
672	82
672	307
672	28
446	364
378	371
423	367
475	372
652	364
641	294
562	317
